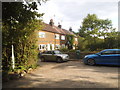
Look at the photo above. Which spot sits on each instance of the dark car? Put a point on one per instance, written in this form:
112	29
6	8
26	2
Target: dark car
106	57
54	55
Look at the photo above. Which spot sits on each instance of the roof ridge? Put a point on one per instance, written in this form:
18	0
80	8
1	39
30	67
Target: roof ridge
56	29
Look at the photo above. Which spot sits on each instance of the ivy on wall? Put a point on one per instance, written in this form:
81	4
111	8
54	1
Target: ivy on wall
70	41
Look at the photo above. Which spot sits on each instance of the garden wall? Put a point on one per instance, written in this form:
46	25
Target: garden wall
73	55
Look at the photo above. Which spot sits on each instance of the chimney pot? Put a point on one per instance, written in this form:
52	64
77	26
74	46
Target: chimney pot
70	29
60	26
51	22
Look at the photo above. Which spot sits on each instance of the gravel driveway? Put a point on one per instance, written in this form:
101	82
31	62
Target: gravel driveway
72	74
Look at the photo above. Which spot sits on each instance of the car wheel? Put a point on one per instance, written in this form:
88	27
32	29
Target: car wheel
59	60
42	59
91	62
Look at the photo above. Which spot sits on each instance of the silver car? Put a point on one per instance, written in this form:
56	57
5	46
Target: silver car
54	55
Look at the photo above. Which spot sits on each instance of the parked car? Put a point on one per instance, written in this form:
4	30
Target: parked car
106	57
54	55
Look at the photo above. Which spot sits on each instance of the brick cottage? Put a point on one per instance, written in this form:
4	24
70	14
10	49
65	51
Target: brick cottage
52	37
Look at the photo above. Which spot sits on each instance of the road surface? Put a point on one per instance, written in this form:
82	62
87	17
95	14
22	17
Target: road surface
72	74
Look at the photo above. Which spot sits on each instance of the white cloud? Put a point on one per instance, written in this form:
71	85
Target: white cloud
72	12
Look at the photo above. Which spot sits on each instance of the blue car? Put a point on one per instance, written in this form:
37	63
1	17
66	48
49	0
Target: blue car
105	57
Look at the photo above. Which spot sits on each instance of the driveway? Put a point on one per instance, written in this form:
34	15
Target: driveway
72	74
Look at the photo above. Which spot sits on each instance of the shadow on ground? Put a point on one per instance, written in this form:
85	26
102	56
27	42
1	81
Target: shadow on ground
80	65
41	82
47	83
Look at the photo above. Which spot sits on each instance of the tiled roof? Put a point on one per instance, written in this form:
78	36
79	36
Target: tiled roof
68	32
56	29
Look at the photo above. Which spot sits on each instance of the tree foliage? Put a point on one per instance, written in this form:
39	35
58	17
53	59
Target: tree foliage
98	33
19	29
70	41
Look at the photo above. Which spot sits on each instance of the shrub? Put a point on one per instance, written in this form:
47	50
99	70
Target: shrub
64	49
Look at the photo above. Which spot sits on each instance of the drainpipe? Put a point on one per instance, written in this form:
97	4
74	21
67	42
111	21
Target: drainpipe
55	42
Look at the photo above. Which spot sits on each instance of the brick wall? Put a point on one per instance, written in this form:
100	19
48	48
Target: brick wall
49	38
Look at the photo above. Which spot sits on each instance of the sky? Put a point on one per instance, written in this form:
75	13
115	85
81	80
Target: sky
70	13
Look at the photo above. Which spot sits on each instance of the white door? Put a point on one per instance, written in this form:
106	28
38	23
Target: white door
53	47
48	46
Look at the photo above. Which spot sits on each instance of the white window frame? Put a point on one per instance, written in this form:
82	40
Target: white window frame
76	39
41	34
41	46
57	36
57	46
62	37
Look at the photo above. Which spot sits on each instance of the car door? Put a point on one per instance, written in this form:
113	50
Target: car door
117	55
49	55
108	57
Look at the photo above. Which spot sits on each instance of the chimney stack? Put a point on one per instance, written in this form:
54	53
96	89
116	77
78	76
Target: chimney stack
51	22
60	26
70	29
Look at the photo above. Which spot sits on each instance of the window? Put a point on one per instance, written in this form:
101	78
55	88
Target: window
42	46
45	52
57	46
49	52
117	52
42	34
63	45
75	39
56	36
108	52
62	37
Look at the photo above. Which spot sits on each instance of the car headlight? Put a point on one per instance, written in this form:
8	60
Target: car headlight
65	57
85	56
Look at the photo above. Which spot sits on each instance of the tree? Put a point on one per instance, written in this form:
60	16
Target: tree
82	43
93	29
90	26
105	28
113	40
19	26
